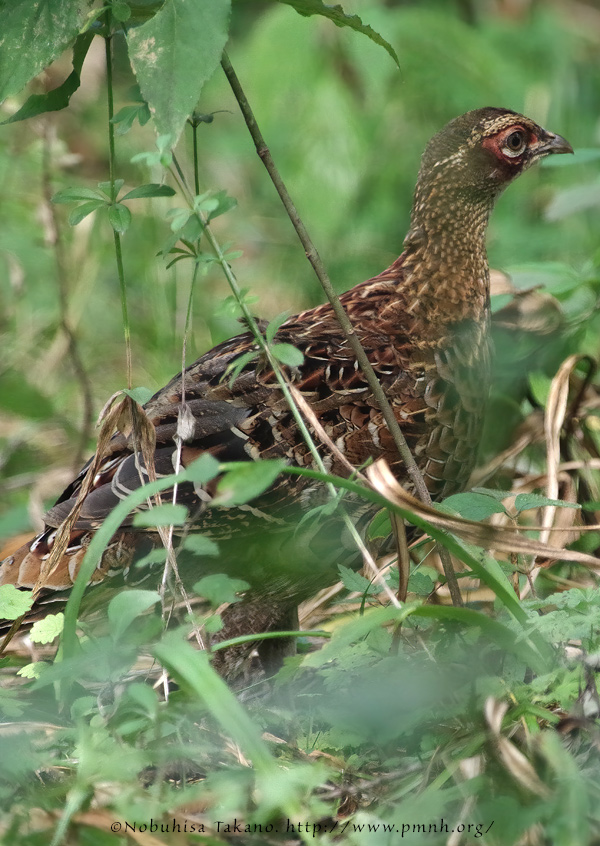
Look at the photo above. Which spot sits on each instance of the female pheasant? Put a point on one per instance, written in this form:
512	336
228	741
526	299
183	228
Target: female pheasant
424	325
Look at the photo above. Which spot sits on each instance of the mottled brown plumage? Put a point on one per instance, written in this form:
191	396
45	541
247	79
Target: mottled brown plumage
423	323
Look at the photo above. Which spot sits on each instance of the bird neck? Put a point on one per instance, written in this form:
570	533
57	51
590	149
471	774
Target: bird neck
445	266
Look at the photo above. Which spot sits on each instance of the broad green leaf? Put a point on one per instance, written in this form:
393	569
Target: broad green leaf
119	217
126	606
58	98
248	480
340	18
139	395
474	506
288	354
46	630
380	526
162	515
85	209
523	502
174	54
13	602
200	545
150	190
32	34
219	588
120	10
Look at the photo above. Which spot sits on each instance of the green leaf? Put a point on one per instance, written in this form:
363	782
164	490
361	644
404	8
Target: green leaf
355	582
200	545
85	209
340	18
58	98
32	34
13	602
120	10
46	630
174	54
23	399
126	606
474	506
151	190
125	117
224	204
167	514
119	217
69	195
275	325
32	671
420	583
234	368
524	502
203	469
246	481
139	395
219	588
288	354
108	189
380	526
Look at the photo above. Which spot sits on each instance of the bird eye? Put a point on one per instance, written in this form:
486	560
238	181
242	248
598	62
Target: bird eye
515	143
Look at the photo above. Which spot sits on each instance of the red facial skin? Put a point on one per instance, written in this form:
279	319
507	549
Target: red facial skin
496	143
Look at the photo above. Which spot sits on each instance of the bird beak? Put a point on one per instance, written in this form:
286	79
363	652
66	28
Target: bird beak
551	143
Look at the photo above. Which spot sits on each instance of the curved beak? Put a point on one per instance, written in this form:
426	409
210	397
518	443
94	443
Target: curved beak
551	143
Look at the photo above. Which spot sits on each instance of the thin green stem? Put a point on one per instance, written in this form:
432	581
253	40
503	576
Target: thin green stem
113	197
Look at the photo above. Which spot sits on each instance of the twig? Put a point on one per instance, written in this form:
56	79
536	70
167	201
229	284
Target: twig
339	311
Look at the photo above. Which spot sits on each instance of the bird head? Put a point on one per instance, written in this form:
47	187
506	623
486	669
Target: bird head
482	151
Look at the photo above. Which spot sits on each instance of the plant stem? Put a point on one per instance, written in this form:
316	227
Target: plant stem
339	311
113	197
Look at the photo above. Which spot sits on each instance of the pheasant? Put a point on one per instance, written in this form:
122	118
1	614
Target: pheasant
424	324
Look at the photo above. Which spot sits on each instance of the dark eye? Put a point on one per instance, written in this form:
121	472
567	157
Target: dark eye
515	143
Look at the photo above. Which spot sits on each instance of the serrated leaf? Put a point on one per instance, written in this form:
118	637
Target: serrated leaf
32	35
119	217
174	54
420	583
247	481
13	602
219	588
275	325
288	354
82	211
524	502
200	545
58	98
139	395
126	606
33	670
166	514
46	630
354	581
152	189
306	8
474	506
